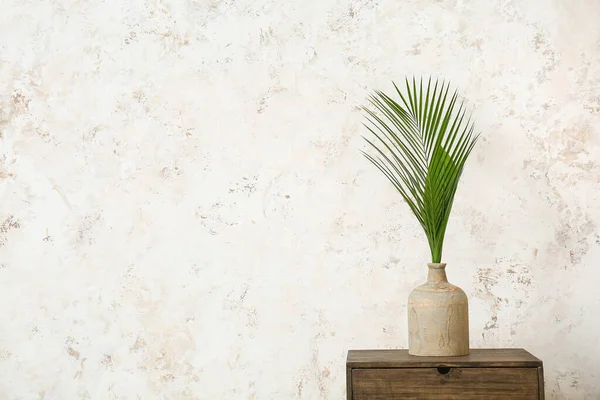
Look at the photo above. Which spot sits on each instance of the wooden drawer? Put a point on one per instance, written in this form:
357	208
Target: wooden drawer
457	383
497	374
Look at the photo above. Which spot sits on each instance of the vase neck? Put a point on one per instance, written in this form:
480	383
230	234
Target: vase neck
437	273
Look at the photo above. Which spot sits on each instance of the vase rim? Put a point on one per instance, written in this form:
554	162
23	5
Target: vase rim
437	265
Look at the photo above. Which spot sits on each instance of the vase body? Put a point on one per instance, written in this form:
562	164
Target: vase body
438	317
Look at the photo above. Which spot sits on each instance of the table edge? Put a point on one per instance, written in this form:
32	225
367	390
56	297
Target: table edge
458	361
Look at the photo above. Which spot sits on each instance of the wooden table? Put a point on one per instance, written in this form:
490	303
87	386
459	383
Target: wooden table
485	374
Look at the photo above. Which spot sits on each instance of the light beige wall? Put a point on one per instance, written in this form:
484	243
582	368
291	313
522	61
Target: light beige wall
185	214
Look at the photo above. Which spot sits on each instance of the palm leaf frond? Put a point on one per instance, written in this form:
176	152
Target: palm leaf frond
421	145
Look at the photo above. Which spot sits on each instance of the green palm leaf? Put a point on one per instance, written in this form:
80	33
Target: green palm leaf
421	144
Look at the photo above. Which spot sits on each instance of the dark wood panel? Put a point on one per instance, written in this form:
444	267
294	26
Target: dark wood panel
477	358
349	383
457	384
541	382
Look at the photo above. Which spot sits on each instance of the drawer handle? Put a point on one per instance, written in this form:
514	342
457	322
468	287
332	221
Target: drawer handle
443	370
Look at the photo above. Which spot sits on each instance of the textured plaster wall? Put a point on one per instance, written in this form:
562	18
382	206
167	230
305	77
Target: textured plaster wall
184	212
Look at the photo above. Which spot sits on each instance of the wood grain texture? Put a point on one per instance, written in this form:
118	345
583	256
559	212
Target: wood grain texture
517	358
349	383
541	382
459	383
484	374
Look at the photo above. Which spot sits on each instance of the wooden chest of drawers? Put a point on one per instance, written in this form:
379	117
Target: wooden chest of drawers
485	374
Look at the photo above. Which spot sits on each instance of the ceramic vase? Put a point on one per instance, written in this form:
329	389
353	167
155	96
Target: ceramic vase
438	317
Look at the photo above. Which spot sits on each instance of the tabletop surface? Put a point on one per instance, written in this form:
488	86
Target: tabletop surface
477	358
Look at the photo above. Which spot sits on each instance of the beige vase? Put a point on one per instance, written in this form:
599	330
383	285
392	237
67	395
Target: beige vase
438	317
